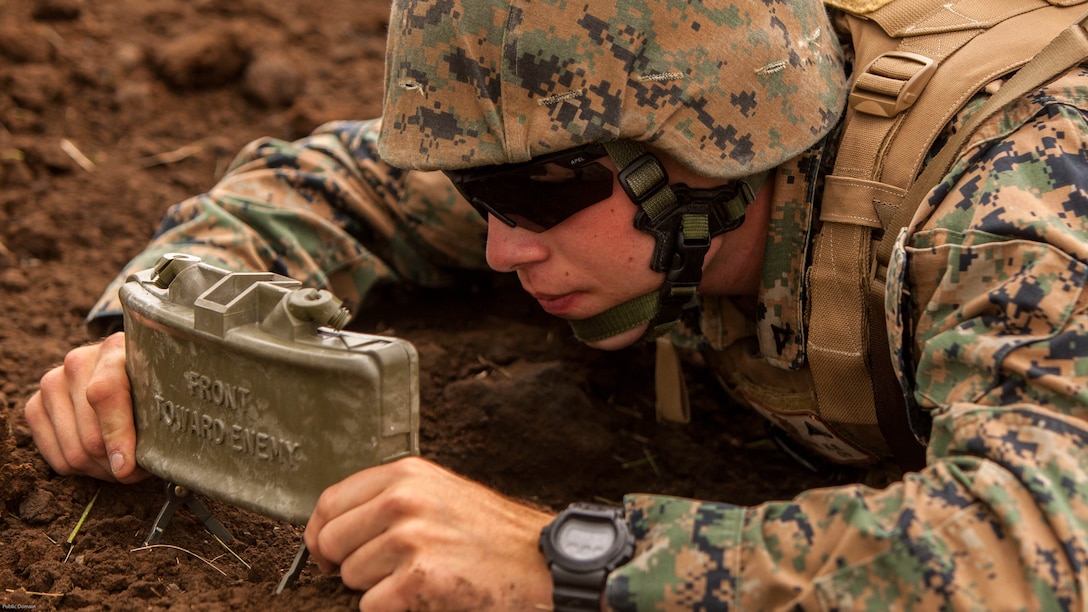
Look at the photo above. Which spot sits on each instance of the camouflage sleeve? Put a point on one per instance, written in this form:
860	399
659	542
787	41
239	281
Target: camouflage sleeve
987	296
324	210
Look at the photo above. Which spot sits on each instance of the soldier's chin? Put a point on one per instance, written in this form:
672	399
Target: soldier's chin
621	340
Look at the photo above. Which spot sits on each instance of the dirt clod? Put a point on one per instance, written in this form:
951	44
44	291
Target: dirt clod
202	59
273	81
38	507
57	10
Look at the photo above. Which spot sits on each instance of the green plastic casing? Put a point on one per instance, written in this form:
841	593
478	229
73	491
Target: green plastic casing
243	393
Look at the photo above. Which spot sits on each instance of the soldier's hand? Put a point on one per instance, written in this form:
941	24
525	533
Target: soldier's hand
81	418
414	536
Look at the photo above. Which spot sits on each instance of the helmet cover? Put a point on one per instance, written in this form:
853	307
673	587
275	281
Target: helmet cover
729	88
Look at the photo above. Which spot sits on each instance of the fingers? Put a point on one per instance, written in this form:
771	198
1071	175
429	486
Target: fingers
367	540
364	559
404	588
336	513
63	453
64	418
108	394
414	535
78	371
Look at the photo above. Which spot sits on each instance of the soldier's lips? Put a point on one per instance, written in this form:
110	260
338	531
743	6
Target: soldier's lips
557	305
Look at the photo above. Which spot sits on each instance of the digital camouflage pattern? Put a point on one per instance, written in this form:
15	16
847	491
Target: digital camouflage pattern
989	310
729	88
322	210
987	306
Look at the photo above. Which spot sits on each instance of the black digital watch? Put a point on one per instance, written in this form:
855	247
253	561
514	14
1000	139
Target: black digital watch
582	545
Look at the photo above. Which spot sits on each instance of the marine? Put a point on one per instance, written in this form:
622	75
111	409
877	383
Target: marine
711	132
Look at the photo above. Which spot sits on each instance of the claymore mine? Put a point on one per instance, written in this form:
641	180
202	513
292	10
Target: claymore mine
246	389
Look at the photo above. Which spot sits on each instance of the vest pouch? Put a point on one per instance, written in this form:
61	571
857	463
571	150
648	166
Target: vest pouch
785	398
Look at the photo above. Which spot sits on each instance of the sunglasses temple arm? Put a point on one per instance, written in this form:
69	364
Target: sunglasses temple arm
498	215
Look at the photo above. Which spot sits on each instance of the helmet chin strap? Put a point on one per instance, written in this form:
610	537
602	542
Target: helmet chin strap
682	221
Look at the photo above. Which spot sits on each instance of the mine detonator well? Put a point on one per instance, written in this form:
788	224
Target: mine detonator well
245	390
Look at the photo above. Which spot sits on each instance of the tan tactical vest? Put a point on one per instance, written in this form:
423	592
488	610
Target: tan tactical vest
917	62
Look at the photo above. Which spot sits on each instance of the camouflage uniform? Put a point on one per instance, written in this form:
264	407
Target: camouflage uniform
322	210
986	290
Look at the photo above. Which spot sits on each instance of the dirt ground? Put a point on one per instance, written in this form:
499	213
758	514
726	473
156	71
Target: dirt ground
109	112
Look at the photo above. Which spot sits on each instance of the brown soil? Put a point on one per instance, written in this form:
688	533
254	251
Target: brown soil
110	111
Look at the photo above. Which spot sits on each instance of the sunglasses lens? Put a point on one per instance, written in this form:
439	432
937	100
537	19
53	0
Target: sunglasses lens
539	195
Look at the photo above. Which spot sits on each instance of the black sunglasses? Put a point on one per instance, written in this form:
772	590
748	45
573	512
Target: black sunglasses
541	193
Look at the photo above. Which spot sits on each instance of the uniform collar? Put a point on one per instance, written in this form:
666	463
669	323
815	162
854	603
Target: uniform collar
779	321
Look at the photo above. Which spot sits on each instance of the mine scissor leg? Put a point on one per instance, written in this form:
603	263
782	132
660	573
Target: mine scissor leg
175	496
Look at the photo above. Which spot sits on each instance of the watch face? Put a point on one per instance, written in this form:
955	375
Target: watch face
583	540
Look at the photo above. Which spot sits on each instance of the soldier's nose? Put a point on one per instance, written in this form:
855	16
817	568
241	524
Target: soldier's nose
512	248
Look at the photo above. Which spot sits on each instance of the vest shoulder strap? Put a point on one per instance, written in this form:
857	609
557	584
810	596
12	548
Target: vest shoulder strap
920	62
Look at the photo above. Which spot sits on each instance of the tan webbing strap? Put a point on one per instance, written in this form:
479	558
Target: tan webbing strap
906	18
838	347
970	69
886	153
673	402
881	152
838	343
1066	51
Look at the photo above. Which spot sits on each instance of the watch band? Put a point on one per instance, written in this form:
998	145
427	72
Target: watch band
574	592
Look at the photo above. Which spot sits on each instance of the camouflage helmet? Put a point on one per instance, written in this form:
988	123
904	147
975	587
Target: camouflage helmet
730	88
